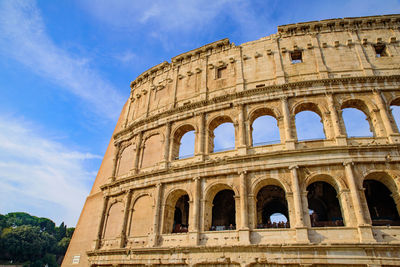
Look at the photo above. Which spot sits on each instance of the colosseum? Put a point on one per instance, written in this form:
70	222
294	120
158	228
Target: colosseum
338	196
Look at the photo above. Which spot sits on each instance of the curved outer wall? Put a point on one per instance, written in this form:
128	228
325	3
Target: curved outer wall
128	215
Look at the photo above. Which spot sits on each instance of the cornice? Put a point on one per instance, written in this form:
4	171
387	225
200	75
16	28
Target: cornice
341	24
271	89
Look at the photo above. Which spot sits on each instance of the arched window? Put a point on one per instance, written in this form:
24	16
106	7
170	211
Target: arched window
309	126
224	137
181	215
153	151
223	211
381	205
323	205
356	123
272	208
395	112
183	142
265	131
186	149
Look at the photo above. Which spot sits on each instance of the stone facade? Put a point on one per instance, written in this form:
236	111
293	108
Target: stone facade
130	217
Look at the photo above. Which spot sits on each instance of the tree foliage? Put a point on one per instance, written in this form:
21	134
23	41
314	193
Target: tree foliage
31	240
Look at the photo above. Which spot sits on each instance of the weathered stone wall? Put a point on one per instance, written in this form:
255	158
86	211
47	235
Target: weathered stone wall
322	67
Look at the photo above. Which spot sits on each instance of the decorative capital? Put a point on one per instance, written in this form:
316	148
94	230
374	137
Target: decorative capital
293	167
347	162
242	172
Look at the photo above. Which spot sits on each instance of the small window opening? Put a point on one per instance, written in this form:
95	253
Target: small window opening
221	72
380	50
296	57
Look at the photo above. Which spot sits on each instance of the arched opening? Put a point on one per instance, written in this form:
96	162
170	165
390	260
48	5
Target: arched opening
381	205
224	211
265	131
357	119
309	126
323	205
272	208
395	112
181	215
356	123
223	137
183	142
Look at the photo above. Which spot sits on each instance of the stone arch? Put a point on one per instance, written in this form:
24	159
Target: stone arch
306	105
395	121
260	182
213	124
338	183
364	107
323	198
177	134
125	157
270	196
387	180
141	215
210	193
258	112
173	196
152	149
114	219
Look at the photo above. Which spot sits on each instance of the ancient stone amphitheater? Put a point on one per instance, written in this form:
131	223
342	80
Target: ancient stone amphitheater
338	196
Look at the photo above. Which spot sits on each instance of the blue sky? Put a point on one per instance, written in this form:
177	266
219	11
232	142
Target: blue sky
65	69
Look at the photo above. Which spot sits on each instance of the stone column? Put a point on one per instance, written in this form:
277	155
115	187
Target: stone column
126	214
194	224
240	82
156	221
364	229
137	156
340	138
286	121
279	73
242	146
200	138
364	63
244	232
301	229
167	143
101	224
115	162
390	132
322	69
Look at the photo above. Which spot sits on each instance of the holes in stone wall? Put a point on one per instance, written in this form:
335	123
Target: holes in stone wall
296	56
380	50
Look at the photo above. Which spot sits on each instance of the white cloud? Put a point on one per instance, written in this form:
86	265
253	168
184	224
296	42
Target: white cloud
41	176
125	57
23	37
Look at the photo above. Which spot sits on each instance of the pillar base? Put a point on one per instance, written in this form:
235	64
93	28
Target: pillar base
290	145
200	157
365	233
302	235
242	150
394	138
244	236
164	164
194	238
341	141
153	240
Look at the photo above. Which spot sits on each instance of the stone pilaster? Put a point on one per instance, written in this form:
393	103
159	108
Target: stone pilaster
194	221
301	229
364	229
339	136
390	132
287	124
153	238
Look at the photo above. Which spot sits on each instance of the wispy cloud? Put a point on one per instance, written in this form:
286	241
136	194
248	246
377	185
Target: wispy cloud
23	37
45	177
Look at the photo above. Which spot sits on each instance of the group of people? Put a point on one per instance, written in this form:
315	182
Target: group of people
222	227
270	224
180	228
